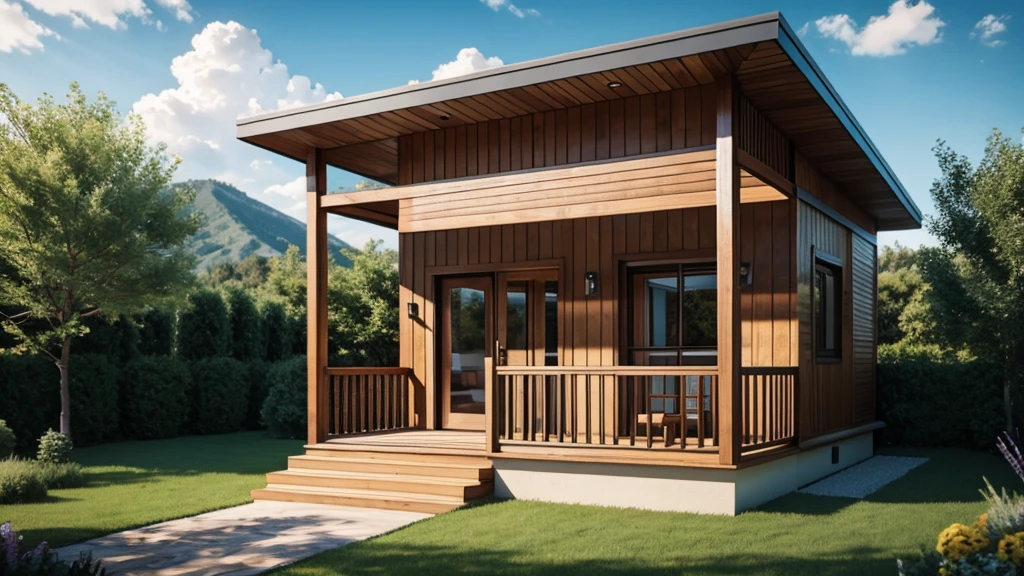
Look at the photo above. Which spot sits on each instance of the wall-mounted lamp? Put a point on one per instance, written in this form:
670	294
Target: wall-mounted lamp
746	274
590	285
414	310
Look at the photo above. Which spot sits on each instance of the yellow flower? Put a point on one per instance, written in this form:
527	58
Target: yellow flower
981	524
1011	548
959	540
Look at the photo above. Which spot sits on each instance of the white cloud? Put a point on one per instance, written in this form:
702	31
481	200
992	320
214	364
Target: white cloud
296	190
467	61
497	5
804	29
227	74
905	25
182	9
18	31
988	27
109	13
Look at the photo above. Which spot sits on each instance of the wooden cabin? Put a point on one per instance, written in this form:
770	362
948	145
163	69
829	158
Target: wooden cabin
637	275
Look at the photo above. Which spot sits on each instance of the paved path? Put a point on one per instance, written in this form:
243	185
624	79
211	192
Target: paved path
242	540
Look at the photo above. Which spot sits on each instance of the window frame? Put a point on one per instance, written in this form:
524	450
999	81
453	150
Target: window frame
827	265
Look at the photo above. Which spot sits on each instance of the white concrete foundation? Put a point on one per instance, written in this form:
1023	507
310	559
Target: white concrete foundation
671	488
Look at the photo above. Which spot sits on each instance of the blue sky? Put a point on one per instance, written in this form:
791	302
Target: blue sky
920	72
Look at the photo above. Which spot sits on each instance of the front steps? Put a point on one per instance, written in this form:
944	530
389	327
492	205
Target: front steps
391	480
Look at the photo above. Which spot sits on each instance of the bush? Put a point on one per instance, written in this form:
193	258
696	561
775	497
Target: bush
20	482
117	338
154	397
277	331
29	398
7	440
94	382
256	378
218	396
284	411
59	476
156	336
930	398
55	447
203	328
246	332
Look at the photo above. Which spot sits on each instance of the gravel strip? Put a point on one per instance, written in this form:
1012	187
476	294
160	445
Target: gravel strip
865	478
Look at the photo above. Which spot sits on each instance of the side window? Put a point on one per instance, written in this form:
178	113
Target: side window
828	309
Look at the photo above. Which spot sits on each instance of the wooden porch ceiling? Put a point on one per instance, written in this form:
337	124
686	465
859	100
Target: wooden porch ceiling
773	70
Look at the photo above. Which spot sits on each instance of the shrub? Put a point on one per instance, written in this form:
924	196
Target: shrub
7	440
20	482
277	331
203	328
256	378
156	336
55	447
59	476
917	391
29	398
246	332
94	382
41	561
284	411
218	396
153	397
117	338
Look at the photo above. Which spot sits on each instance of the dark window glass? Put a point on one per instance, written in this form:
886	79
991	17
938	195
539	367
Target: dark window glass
551	323
827	310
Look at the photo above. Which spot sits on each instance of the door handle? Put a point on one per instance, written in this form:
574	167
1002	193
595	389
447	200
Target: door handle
502	356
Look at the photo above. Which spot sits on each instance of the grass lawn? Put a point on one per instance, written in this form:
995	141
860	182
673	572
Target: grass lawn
796	534
132	484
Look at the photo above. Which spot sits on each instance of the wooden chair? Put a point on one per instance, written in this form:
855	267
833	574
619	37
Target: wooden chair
696	402
668	421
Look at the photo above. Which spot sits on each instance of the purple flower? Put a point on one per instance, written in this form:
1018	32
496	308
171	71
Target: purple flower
9	542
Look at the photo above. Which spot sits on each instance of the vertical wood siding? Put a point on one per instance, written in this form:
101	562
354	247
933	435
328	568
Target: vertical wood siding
589	327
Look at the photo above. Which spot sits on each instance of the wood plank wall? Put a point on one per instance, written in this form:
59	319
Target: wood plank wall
589	327
836	395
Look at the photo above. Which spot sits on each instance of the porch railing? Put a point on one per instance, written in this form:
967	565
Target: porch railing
362	400
769	407
605	406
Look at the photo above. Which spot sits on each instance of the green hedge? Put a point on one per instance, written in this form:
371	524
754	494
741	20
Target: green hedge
29	398
218	397
284	411
154	397
928	398
95	412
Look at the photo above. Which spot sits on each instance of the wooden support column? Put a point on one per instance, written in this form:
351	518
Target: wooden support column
316	297
727	207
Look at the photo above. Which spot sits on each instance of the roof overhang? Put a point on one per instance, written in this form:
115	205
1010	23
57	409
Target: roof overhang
359	134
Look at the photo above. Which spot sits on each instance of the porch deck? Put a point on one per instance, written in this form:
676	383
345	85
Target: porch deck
457	442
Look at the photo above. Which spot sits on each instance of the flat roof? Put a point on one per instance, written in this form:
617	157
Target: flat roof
359	133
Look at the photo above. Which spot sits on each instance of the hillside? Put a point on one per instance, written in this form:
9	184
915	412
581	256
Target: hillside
237	226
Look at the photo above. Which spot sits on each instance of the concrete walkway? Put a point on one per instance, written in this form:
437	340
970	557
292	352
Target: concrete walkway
242	540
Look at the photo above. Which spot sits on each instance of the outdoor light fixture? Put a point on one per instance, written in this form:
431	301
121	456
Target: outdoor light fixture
746	277
615	84
445	117
414	310
590	286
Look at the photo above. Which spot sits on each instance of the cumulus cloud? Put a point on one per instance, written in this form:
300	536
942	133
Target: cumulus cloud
109	13
904	26
18	31
467	61
988	27
181	8
228	74
497	5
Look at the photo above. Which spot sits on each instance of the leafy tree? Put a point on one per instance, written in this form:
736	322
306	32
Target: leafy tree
363	307
277	331
978	275
246	335
86	219
156	336
204	330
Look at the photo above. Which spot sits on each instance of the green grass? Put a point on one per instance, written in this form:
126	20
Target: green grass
796	534
133	484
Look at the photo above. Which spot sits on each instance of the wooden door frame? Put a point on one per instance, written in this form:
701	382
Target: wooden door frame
536	340
434	275
449	419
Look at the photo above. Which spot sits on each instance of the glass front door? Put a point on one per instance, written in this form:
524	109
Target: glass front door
466	341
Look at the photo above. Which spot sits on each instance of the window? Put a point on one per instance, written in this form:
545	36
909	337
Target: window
828	309
672	326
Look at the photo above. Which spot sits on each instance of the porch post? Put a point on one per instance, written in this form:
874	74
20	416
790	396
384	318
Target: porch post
316	297
727	203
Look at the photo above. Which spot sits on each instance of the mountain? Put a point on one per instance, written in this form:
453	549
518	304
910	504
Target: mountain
236	226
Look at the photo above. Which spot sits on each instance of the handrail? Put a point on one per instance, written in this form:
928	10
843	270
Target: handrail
770	406
609	370
370	370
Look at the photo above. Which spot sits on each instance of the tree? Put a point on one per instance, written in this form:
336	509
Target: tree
363	307
204	329
87	221
246	332
980	225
